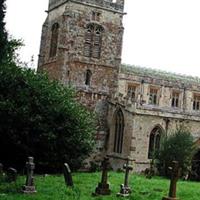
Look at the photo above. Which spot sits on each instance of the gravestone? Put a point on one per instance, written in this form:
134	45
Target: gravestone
125	189
11	175
29	186
68	176
103	186
175	173
1	169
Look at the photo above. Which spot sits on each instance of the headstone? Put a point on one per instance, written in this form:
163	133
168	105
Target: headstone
68	176
103	186
1	169
175	173
11	174
125	189
29	186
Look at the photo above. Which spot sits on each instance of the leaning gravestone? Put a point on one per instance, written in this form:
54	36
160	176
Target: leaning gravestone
29	186
68	176
103	186
175	173
125	189
11	175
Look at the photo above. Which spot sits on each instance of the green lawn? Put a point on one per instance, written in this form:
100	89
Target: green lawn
53	188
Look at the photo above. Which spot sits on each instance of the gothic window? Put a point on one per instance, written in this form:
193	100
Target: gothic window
93	40
119	131
153	96
196	102
175	99
88	77
54	40
154	141
132	92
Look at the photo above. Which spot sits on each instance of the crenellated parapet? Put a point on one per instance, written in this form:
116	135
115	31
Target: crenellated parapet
117	6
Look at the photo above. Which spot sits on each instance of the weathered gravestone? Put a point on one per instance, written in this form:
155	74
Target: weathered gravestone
68	176
103	186
125	189
1	169
29	186
175	173
11	175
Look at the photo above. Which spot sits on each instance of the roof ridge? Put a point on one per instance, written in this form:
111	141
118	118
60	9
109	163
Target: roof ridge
127	68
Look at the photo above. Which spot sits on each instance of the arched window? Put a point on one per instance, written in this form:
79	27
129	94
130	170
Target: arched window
154	141
88	77
93	40
54	40
119	131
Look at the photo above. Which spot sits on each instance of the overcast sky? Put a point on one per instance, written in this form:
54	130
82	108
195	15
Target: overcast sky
162	34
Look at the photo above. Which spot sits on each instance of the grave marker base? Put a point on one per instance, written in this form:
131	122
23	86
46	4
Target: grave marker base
169	198
28	189
102	189
125	191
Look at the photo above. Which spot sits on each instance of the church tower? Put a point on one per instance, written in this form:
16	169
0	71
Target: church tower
81	46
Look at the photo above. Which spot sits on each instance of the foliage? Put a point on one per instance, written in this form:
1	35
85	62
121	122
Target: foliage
53	187
3	33
8	45
41	118
178	146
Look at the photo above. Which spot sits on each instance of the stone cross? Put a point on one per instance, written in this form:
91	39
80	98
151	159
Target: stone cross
11	175
175	173
68	175
103	186
125	189
29	187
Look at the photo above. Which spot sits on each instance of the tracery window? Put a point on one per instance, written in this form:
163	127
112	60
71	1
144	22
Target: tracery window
54	40
196	102
175	99
154	141
93	40
119	132
88	77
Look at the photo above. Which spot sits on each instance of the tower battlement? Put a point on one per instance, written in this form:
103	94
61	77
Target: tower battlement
115	5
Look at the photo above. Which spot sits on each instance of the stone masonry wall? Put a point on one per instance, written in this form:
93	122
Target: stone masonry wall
69	66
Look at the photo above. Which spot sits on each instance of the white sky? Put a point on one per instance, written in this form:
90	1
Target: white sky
163	34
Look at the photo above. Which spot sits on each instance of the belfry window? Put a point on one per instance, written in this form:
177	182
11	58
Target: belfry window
154	142
119	132
54	40
96	16
88	77
93	40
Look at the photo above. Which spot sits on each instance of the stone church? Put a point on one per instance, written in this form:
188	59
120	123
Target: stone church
81	46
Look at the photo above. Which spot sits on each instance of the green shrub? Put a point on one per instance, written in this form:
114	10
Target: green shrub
41	118
178	146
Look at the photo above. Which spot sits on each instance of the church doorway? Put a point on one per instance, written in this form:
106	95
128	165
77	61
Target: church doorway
195	171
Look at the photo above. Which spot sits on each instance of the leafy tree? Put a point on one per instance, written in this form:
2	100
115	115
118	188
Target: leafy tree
8	46
3	33
41	118
178	146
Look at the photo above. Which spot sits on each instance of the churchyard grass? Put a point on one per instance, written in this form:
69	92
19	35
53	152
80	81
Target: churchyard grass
53	188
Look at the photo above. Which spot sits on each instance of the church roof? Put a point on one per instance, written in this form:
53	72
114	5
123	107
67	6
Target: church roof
158	74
